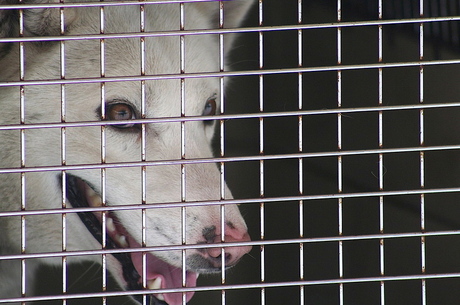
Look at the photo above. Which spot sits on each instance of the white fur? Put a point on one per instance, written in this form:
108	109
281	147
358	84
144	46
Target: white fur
83	144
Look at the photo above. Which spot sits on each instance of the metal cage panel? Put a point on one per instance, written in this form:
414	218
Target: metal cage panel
337	134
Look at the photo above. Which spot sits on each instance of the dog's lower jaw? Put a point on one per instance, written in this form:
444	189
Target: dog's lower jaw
159	274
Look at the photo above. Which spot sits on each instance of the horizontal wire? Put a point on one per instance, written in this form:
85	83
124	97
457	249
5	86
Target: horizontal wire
226	159
296	27
94	4
228	116
264	242
237	286
109	79
149	206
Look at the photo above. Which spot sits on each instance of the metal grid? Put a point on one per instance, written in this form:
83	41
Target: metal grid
339	204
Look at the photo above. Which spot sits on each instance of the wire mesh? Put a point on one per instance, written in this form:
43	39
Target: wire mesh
337	135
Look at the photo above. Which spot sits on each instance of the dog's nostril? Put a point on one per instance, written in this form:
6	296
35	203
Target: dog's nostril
213	236
209	234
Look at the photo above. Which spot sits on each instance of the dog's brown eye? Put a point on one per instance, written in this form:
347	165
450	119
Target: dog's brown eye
210	107
120	111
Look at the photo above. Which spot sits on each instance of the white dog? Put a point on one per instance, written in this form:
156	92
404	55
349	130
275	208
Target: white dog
130	143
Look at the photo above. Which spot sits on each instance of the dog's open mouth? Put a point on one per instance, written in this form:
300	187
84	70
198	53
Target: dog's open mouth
160	275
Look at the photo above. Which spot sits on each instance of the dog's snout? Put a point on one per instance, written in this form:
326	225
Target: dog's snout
232	254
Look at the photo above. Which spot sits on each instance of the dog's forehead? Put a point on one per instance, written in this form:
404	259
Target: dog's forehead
164	49
162	55
163	59
164	66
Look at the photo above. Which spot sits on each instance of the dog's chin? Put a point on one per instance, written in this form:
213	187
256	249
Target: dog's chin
160	275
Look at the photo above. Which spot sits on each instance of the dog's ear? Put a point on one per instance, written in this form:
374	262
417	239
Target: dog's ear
8	19
37	21
42	22
46	22
8	26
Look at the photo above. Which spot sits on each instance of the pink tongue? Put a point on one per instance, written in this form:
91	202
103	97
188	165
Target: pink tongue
171	276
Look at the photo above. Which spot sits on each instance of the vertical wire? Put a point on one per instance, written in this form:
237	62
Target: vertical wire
103	155
380	156
183	156
422	161
222	148
23	150
63	156
300	139
339	147
261	152
143	151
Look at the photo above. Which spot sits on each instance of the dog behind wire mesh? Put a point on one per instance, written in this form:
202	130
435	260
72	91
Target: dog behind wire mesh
126	175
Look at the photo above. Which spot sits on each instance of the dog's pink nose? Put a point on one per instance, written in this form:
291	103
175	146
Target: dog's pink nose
232	254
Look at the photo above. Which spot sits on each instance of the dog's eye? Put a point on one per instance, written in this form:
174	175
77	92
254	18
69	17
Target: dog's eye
120	111
210	107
